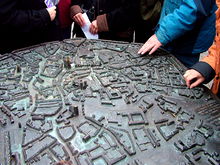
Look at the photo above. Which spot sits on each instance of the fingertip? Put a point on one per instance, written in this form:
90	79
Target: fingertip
151	52
196	83
187	83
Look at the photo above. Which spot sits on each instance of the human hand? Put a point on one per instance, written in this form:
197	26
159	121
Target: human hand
150	46
78	18
93	27
52	12
193	78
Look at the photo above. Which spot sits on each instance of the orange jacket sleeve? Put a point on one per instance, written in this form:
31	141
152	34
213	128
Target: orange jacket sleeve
213	59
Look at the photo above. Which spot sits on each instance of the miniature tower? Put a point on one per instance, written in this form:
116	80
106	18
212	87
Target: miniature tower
67	63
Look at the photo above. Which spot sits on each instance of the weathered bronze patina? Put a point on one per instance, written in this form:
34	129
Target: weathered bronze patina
96	102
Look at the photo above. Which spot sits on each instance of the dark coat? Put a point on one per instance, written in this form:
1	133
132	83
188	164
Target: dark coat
120	15
24	23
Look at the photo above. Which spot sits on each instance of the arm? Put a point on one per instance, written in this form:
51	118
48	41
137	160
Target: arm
177	23
210	65
22	20
203	71
213	58
199	73
76	12
183	19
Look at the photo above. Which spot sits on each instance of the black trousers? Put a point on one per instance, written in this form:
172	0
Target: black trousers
143	31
